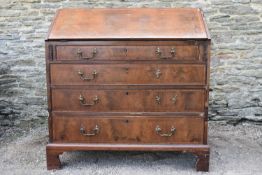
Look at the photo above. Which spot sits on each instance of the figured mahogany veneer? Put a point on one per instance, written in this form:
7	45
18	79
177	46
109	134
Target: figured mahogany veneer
128	129
128	80
180	74
182	52
145	23
129	100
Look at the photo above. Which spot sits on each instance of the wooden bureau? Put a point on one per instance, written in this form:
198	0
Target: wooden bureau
128	79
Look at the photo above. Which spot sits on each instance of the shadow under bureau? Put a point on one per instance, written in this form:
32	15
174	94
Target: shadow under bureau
128	79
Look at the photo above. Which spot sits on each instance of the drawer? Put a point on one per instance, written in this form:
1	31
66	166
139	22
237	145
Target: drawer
82	52
157	100
79	74
151	130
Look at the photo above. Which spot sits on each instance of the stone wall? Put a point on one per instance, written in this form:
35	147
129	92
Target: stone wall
236	67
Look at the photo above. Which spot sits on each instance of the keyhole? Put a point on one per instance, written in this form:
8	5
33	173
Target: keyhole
126	69
126	93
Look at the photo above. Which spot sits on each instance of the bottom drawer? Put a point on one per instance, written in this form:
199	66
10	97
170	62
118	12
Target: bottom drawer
128	129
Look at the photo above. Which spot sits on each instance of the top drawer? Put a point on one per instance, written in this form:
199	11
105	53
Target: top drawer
147	52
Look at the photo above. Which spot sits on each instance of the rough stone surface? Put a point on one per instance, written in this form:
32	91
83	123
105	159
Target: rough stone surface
236	66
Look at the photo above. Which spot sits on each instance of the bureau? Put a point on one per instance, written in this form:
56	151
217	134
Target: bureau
128	80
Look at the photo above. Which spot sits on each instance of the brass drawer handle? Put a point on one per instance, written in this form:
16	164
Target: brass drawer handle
174	99
158	99
83	102
161	56
94	131
159	130
158	73
80	54
87	78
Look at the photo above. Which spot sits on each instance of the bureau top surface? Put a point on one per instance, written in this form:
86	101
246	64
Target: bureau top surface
131	23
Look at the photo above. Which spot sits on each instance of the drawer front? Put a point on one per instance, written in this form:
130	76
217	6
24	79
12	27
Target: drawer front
128	100
81	52
166	130
79	74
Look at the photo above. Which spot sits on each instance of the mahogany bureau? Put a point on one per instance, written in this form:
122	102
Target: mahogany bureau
128	79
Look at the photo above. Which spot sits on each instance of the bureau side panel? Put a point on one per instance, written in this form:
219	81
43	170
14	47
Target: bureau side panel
205	53
49	55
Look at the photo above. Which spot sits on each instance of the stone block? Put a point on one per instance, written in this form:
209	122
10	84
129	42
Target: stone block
238	10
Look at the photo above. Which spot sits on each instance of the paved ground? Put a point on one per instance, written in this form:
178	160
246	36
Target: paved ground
235	150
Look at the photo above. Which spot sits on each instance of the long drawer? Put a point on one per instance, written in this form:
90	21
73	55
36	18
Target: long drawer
165	130
84	52
157	100
81	74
